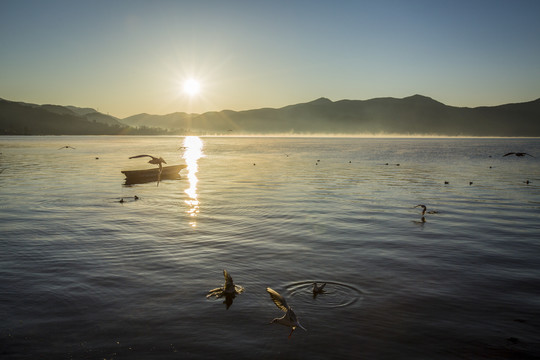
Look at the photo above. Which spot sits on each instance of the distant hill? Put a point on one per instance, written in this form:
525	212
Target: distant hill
94	115
414	115
176	121
19	118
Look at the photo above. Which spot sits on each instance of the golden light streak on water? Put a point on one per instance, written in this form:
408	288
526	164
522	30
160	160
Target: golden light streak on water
193	152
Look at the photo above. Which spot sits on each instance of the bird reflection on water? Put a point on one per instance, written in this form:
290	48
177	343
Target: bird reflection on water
424	211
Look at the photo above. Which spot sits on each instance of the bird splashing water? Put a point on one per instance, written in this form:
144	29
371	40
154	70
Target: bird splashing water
229	290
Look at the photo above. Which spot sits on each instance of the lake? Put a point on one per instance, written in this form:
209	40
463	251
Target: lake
85	276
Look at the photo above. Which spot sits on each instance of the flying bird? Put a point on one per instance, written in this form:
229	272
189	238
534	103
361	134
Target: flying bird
229	290
517	154
289	319
66	147
153	160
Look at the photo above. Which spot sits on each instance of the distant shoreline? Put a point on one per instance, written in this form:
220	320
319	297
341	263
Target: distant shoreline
344	136
413	116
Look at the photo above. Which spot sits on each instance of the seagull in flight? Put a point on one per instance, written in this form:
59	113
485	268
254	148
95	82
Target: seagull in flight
517	154
66	147
289	319
153	160
229	288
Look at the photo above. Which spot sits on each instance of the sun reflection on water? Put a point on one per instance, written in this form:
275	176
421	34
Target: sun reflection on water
193	152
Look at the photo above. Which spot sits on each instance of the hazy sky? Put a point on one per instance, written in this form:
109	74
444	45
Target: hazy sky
129	57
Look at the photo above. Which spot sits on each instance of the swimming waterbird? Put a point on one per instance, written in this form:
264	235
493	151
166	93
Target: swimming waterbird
318	289
424	210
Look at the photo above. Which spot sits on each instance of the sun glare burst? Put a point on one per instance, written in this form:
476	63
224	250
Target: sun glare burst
192	87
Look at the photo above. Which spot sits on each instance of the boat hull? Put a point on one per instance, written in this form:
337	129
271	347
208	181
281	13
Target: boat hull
150	175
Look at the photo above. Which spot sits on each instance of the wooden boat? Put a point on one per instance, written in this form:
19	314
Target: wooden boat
149	175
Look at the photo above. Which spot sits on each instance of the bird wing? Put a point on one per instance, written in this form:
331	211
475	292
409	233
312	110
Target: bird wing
510	153
139	156
278	299
228	277
322	286
215	292
528	154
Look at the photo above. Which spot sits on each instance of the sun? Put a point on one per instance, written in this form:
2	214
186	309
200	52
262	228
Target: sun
192	87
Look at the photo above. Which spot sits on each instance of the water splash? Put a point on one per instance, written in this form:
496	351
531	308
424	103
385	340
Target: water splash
193	152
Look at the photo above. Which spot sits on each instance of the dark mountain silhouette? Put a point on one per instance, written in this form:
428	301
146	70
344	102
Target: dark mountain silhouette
88	113
18	118
94	115
177	120
414	115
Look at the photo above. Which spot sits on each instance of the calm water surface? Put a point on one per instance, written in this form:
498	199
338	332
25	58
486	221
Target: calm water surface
84	276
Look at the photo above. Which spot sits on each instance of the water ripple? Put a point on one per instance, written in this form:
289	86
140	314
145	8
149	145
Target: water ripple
336	295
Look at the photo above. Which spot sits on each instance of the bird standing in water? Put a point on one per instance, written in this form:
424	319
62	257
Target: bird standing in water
154	160
289	319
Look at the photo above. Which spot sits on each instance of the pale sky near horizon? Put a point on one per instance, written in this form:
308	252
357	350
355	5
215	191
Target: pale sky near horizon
129	57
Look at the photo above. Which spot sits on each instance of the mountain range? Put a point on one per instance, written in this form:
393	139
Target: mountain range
413	115
20	118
